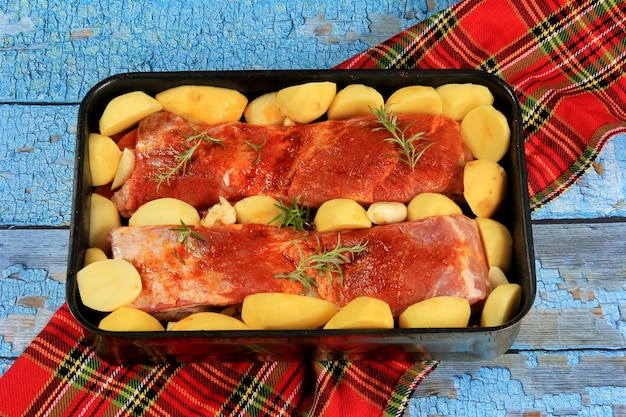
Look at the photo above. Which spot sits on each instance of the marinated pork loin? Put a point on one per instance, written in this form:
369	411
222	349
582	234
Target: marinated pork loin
402	263
315	162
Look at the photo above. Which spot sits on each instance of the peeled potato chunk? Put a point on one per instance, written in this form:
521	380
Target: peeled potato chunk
258	209
164	211
497	242
204	104
486	133
484	186
502	305
304	103
353	101
341	214
103	217
94	255
124	169
108	285
387	212
264	110
124	111
415	99
130	319
280	311
208	320
496	277
104	158
459	99
442	311
431	204
362	313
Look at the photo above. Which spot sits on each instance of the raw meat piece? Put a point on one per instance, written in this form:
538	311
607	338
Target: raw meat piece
315	162
402	264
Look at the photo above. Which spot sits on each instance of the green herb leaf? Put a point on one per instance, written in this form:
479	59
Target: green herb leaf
257	148
184	233
324	262
190	144
294	215
411	148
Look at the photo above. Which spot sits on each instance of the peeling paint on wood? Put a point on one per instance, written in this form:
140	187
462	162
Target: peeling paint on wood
28	149
382	27
24	24
81	34
599	193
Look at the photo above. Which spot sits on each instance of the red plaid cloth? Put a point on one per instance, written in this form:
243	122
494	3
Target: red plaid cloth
59	375
564	60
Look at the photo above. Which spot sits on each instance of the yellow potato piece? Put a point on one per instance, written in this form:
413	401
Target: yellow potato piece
304	103
165	211
387	212
104	158
203	104
130	319
502	305
258	209
436	312
264	110
497	242
484	186
124	169
125	111
103	217
93	255
459	99
208	321
278	311
431	204
353	101
362	313
415	99
486	133
496	277
341	214
108	285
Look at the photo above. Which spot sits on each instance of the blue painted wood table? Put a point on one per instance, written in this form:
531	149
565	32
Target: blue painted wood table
569	358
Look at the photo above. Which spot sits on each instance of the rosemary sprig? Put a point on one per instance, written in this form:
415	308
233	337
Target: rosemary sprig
184	233
190	144
182	159
257	148
294	215
411	148
323	261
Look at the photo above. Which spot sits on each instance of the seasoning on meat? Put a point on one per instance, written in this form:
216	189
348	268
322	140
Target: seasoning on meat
316	162
402	263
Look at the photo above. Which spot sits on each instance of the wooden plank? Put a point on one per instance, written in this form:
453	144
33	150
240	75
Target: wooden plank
578	306
581	270
564	384
37	170
32	286
36	174
42	249
599	193
589	252
77	44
